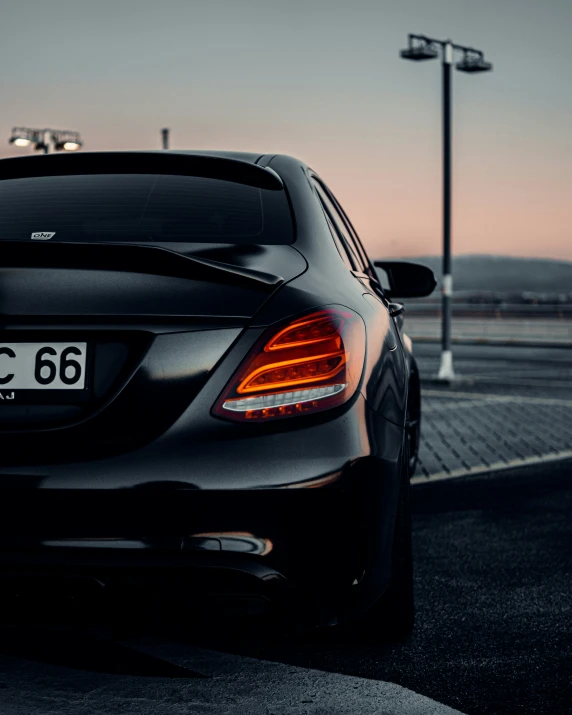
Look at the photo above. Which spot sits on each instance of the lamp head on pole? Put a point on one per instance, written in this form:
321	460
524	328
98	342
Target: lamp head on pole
68	141
419	49
42	138
473	62
21	136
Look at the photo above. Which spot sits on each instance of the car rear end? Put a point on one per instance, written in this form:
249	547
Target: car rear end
144	448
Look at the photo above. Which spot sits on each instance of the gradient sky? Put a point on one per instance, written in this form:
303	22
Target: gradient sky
322	80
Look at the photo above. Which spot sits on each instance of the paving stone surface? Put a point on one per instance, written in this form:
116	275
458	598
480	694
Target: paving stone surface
469	431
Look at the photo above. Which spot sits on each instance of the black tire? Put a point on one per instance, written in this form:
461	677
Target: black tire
392	617
413	425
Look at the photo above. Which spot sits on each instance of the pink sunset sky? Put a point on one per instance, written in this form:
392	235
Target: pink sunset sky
322	80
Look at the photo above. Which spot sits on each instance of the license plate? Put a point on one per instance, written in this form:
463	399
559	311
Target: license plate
43	366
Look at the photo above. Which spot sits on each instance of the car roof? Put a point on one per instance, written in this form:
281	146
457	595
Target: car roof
250	157
245	164
245	156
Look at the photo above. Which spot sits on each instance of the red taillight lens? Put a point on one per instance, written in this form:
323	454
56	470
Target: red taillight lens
313	363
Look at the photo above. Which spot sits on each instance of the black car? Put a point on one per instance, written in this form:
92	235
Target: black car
204	389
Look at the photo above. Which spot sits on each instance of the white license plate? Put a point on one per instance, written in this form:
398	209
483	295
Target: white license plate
42	366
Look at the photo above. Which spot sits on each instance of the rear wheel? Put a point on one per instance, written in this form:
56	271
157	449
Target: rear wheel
392	617
413	425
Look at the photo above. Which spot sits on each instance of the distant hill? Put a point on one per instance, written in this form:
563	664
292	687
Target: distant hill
504	274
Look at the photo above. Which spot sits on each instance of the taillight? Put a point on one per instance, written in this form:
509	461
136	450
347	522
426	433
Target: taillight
311	364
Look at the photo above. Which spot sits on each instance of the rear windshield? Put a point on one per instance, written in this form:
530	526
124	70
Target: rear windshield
142	207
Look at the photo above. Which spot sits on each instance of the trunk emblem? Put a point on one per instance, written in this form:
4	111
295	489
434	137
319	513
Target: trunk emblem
6	395
42	235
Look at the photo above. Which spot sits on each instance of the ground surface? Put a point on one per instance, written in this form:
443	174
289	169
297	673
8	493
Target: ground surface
549	329
512	406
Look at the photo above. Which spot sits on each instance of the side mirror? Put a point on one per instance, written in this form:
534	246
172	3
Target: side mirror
407	280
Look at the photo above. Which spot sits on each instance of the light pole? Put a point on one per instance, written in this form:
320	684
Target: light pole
42	138
420	48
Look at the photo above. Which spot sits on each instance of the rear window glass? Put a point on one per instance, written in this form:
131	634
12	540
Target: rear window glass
142	207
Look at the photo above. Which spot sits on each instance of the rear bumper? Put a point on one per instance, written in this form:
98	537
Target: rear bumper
192	582
300	550
295	549
320	545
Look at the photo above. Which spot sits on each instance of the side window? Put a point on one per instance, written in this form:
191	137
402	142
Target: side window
340	225
355	238
342	250
357	243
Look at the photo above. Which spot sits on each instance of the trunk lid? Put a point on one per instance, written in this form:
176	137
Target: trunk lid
155	323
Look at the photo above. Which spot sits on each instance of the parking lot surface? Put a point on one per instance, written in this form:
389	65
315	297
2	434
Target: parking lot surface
510	407
547	329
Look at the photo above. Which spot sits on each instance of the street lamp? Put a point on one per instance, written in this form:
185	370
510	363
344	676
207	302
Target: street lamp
20	141
42	138
421	48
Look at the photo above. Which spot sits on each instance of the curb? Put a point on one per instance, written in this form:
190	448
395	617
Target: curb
455	382
489	382
496	467
500	342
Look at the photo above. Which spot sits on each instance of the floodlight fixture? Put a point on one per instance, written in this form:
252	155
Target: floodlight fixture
22	136
420	51
42	139
66	140
473	62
